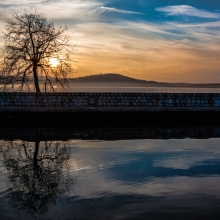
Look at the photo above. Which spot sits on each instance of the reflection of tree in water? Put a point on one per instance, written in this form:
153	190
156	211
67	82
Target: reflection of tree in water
36	175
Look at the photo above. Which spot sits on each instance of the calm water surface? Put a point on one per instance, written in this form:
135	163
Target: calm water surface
135	179
98	88
143	89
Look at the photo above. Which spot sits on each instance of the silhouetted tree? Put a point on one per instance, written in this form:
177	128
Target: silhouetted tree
35	175
35	53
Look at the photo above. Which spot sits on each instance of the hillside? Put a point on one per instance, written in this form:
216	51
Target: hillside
114	79
108	78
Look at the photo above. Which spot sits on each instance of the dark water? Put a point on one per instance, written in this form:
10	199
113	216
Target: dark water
121	179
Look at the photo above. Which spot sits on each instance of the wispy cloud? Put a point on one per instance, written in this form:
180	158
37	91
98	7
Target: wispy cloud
56	9
62	9
188	11
103	9
15	2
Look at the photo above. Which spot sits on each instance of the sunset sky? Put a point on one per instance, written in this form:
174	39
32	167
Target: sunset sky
162	40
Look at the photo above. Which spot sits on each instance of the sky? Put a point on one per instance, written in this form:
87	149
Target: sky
161	40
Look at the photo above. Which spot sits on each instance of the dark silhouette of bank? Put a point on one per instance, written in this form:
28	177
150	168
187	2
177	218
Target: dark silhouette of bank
108	133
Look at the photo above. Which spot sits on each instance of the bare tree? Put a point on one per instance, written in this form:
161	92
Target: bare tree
35	53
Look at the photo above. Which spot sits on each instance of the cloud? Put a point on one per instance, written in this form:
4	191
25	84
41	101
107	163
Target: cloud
62	9
56	9
103	9
15	2
188	11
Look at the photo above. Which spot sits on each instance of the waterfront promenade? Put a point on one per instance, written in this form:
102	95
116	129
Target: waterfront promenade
112	108
55	102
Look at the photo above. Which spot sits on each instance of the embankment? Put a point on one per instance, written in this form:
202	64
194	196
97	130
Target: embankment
76	109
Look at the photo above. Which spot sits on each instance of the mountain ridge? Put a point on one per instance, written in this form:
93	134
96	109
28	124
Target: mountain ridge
115	78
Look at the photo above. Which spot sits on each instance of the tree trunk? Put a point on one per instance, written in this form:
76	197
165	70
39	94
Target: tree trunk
37	143
36	83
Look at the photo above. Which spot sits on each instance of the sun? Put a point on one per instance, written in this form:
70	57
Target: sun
54	62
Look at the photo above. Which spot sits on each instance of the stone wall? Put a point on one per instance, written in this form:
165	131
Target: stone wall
107	100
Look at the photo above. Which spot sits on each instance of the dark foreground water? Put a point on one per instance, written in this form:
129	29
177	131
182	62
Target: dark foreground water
124	179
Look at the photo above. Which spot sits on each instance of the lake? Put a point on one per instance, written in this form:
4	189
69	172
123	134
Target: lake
119	88
143	89
172	178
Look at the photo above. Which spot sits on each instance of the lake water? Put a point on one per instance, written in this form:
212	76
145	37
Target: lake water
109	88
121	179
144	89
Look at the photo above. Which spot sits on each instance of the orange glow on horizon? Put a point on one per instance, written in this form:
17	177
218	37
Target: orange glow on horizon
170	65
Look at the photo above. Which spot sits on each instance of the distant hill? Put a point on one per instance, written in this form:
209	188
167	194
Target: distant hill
108	78
120	80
